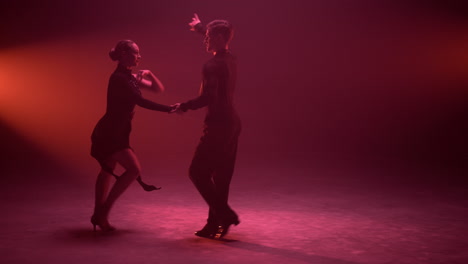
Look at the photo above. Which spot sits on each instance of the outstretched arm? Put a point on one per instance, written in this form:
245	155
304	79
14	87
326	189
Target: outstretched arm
148	104
135	94
196	25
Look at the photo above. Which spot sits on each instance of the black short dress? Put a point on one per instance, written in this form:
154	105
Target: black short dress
112	132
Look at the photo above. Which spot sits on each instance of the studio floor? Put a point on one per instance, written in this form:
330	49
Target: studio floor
288	215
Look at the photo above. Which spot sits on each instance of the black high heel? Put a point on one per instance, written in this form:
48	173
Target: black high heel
106	228
224	227
147	187
208	231
94	222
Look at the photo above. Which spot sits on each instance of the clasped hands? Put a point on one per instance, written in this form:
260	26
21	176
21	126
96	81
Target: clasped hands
175	108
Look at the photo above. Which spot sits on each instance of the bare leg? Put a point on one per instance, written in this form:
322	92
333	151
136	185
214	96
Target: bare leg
129	161
102	186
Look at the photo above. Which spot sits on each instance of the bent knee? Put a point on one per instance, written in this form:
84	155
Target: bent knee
134	170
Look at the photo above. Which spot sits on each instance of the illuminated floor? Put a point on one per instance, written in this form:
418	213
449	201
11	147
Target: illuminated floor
325	216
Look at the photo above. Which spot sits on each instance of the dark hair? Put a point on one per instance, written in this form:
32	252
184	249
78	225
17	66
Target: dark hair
121	47
222	27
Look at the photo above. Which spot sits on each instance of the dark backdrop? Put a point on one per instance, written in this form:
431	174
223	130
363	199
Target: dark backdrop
320	82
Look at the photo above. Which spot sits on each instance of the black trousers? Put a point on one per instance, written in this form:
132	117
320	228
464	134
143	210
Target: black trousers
213	166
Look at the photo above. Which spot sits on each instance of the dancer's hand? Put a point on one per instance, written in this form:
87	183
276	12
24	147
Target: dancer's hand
176	109
195	21
146	79
144	74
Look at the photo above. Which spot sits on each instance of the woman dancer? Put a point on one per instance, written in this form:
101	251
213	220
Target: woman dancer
110	138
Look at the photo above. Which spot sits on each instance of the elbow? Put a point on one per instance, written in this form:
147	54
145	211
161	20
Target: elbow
159	88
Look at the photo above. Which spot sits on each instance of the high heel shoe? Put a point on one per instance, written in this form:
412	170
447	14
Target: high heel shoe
94	222
208	231
106	227
147	187
224	227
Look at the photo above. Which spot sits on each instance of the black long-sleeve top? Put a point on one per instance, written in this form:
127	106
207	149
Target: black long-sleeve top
217	89
123	94
112	132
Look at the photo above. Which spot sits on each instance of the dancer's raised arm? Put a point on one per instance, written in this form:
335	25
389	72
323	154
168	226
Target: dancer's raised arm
196	25
147	80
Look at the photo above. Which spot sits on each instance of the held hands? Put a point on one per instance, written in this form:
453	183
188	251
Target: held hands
176	109
195	21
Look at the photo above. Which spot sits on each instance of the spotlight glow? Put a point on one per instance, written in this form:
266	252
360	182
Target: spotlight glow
45	95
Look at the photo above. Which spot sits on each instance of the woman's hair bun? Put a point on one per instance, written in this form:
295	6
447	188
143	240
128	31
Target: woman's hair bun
121	47
113	54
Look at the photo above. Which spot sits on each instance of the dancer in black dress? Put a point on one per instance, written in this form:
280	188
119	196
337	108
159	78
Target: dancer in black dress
213	163
110	138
